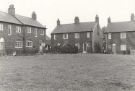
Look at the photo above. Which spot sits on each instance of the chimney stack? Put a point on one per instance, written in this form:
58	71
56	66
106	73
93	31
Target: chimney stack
132	17
76	20
58	22
34	16
109	20
97	19
11	10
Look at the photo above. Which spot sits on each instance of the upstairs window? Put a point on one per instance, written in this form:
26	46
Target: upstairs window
29	43
18	44
123	35
65	36
28	29
109	36
77	35
9	29
18	29
42	32
88	34
36	32
1	27
54	37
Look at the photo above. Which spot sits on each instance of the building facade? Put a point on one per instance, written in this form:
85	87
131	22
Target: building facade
120	36
84	35
19	33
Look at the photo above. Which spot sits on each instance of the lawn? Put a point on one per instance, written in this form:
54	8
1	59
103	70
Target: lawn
77	72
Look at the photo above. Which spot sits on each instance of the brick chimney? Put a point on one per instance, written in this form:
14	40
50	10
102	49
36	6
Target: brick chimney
109	20
34	16
76	20
97	19
58	22
132	17
11	10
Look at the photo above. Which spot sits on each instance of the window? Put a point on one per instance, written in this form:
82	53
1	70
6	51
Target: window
109	36
54	37
65	36
42	32
122	35
9	30
123	47
88	34
77	35
36	32
28	29
18	44
1	27
29	43
18	29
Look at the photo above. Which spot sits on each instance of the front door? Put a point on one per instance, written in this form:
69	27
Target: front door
84	47
114	48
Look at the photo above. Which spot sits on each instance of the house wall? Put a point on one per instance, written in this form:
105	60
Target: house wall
72	40
10	40
129	41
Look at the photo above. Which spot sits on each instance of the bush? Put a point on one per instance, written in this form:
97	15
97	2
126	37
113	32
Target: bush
68	49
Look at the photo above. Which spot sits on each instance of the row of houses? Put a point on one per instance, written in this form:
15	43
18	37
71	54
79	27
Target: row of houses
23	34
20	34
116	37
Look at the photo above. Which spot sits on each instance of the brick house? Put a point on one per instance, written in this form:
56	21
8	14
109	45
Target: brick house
84	35
19	33
120	36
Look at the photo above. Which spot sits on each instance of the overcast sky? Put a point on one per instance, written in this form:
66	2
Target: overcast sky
48	11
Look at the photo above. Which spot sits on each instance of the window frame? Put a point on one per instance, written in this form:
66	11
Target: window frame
29	30
18	29
88	34
36	32
77	35
109	35
20	43
1	27
42	32
28	41
123	35
65	36
9	29
123	47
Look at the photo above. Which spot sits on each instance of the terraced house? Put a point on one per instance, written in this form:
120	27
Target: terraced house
84	35
19	33
120	36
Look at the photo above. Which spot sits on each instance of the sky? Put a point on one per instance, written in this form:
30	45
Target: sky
48	11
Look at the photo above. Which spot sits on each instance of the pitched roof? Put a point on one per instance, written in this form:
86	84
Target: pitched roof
81	27
120	26
29	21
5	17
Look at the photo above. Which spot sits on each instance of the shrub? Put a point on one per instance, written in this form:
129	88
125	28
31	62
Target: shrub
68	49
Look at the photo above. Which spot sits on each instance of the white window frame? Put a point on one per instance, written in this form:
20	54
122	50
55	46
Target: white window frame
36	32
18	44
28	29
123	35
9	30
123	47
42	32
65	36
88	34
28	41
18	29
54	36
1	27
109	36
77	35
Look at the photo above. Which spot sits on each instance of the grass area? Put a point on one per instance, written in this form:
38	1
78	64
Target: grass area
78	72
